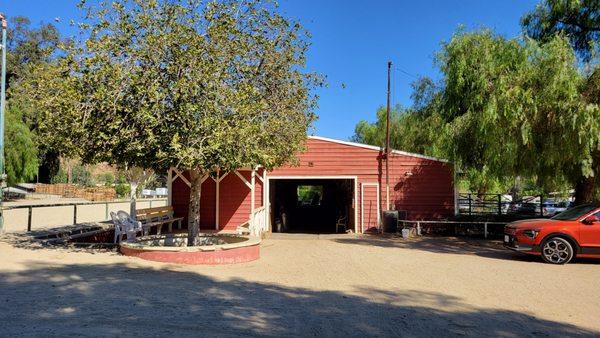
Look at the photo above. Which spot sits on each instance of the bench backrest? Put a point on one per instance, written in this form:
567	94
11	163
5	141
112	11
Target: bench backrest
154	214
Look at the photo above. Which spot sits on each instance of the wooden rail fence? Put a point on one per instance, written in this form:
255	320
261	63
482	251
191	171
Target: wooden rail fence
73	191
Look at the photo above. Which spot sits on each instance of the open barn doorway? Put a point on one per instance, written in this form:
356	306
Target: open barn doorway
312	205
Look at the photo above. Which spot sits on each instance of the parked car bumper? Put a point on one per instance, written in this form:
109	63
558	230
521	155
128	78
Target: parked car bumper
511	242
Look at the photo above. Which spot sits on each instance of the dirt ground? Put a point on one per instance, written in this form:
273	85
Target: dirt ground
302	286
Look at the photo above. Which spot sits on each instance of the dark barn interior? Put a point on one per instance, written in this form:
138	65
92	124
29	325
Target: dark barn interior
320	206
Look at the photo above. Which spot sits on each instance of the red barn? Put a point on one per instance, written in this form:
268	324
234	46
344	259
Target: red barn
336	185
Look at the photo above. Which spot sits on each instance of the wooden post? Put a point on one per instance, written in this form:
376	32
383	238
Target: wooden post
106	210
470	205
74	214
485	230
252	197
29	214
499	204
218	182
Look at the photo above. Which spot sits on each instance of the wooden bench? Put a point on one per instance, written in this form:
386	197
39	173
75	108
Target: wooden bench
157	217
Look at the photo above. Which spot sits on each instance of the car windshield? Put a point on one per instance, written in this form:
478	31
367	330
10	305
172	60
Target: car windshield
574	213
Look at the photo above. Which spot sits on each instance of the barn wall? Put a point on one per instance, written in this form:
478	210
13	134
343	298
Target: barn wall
208	204
234	201
422	187
180	198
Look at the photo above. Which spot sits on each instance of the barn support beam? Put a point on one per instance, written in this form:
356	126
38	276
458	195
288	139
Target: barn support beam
170	186
217	184
252	197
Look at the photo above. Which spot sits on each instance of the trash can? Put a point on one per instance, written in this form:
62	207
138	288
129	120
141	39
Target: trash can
390	221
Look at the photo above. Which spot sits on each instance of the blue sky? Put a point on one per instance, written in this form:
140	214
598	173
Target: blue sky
352	42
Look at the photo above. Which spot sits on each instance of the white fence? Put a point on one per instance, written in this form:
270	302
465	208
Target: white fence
39	216
258	223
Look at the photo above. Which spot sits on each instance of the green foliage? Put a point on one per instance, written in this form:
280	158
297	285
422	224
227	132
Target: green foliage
28	45
80	175
577	19
20	152
186	84
108	179
505	109
122	187
517	109
60	177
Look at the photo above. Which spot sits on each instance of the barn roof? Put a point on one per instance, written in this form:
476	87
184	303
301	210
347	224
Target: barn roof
371	147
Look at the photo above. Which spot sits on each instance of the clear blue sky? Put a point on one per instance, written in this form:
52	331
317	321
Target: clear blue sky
352	42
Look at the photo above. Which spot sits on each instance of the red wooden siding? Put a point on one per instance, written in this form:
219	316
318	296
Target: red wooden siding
234	204
422	187
208	203
368	207
180	198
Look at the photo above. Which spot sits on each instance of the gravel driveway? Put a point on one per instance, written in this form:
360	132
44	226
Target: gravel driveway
302	286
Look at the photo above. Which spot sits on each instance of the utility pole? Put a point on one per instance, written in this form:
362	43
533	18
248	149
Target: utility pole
2	109
387	142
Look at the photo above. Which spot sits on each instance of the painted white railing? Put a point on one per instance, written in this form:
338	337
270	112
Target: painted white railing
258	222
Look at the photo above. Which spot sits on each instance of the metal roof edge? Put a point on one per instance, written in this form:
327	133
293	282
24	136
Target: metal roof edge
367	146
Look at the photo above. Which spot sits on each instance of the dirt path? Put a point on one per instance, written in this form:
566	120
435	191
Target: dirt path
302	285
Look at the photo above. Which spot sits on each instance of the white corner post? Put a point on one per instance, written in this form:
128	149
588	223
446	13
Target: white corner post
217	198
170	187
252	197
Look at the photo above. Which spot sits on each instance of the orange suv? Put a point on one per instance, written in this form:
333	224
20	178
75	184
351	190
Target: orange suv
574	232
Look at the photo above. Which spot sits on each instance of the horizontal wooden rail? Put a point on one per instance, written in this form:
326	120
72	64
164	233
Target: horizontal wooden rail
441	222
75	205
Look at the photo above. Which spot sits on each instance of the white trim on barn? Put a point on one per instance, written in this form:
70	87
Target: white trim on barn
367	146
170	187
362	200
267	192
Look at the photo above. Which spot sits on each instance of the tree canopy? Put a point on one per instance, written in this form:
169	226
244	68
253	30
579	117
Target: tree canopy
202	86
577	19
505	108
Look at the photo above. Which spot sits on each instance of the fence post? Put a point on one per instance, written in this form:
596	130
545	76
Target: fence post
485	230
542	205
106	210
29	213
74	214
150	203
499	205
418	228
470	205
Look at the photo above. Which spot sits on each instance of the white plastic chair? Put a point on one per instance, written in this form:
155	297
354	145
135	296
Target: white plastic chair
125	225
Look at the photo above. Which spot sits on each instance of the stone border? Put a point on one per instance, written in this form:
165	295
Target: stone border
244	251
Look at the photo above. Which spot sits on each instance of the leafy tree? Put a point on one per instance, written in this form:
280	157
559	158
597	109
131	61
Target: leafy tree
82	176
194	85
27	45
60	177
517	109
578	19
21	156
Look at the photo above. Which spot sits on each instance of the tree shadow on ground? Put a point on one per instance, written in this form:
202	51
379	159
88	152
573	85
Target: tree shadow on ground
449	245
128	300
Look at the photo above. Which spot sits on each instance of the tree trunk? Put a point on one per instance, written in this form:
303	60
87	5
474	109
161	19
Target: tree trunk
132	200
585	190
194	208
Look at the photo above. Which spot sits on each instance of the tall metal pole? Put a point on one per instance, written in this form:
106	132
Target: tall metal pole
387	142
2	109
